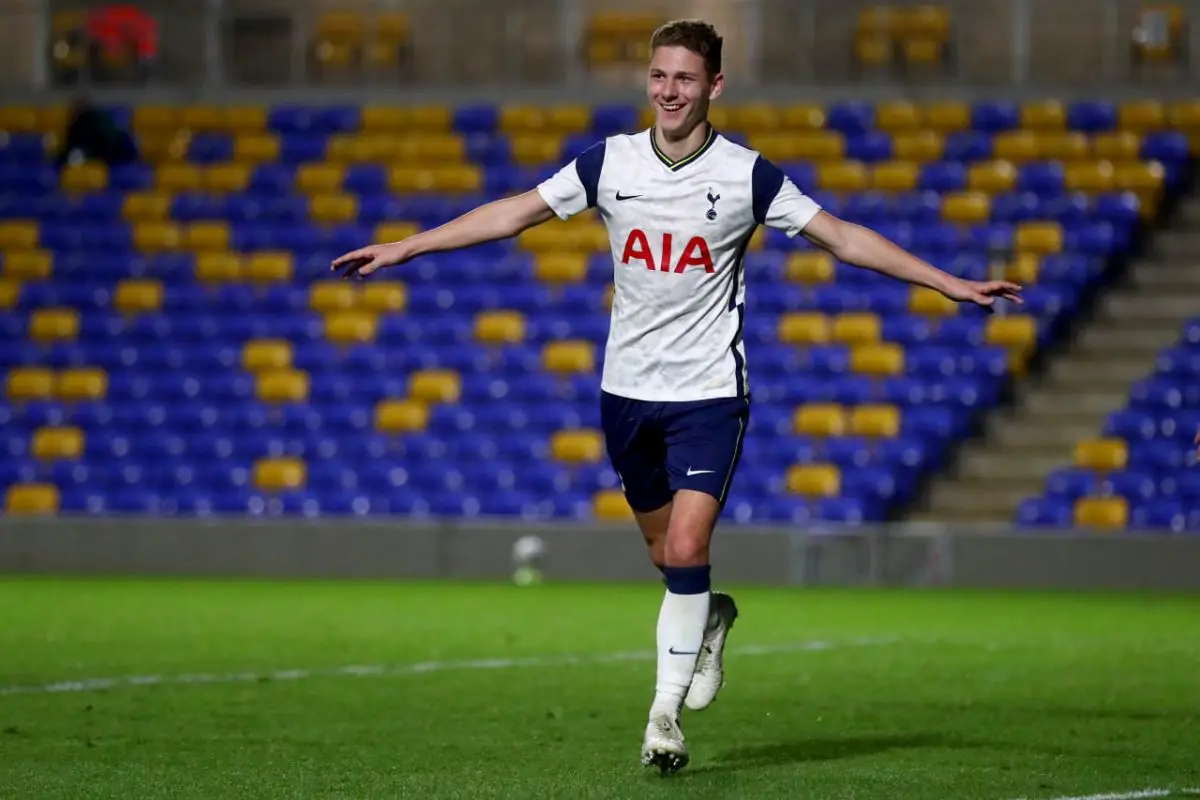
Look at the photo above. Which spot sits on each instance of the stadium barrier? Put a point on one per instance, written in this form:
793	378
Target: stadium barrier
900	555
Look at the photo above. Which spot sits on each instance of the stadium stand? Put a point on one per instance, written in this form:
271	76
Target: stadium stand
172	343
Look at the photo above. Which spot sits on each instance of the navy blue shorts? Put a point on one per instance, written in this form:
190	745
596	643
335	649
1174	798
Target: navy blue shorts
658	448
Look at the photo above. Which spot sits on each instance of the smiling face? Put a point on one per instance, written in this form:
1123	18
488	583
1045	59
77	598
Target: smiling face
680	89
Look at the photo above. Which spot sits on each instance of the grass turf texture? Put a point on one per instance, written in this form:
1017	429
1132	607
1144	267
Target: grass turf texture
959	695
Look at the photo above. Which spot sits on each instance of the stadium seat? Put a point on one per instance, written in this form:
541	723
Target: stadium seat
81	384
810	266
136	296
351	327
1109	513
1102	455
875	421
500	327
86	177
36	499
383	297
28	265
267	355
929	303
967	207
18	235
577	446
23	384
268	267
611	505
1039	238
280	474
282	386
435	386
878	358
560	267
53	444
401	416
206	237
857	328
218	268
328	296
10	291
814	480
53	325
820	419
798	327
569	357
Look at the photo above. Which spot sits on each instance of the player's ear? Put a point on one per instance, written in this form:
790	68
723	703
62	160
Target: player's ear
718	86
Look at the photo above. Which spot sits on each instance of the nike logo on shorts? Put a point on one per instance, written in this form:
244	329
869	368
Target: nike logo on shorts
692	472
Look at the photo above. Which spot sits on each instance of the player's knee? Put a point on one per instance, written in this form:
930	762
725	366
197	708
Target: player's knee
690	529
685	549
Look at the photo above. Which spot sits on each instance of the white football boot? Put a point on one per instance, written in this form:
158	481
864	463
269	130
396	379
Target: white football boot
663	745
709	676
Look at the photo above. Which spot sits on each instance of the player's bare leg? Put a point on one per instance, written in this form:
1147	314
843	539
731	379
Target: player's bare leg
682	623
653	525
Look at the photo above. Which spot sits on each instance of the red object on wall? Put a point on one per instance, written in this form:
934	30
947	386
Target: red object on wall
120	28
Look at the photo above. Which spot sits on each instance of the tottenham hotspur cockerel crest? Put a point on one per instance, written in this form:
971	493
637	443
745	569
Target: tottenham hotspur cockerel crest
712	201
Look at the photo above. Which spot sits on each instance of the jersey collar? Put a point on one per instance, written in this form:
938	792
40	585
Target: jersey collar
675	166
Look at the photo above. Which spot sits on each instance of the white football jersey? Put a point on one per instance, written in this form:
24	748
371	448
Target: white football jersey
678	231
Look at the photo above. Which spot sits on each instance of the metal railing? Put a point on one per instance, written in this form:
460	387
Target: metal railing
213	45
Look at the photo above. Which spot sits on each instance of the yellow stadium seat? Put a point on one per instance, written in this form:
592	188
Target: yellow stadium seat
31	499
1101	512
803	117
1044	115
245	119
820	146
454	178
1184	115
967	207
396	416
920	147
430	119
353	148
383	297
755	118
326	296
873	51
19	119
857	328
157	237
1013	332
568	119
993	177
561	267
521	119
55	444
584	446
218	267
266	355
134	296
814	480
1142	116
1024	269
1141	178
923	51
256	148
1117	145
895	176
179	178
500	327
86	177
611	505
81	383
18	235
1018	147
569	357
320	178
10	292
226	178
53	324
875	421
268	267
150	119
282	386
610	292
202	119
1102	455
929	303
948	117
146	206
804	327
820	419
430	150
351	327
898	117
531	151
395	231
27	265
845	176
162	149
1065	146
280	474
207	237
435	386
1092	177
333	208
810	266
385	119
29	383
878	358
1038	237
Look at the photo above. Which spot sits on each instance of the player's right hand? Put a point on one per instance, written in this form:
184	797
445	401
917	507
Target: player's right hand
362	262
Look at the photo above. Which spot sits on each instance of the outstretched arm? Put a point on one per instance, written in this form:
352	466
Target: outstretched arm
500	219
862	247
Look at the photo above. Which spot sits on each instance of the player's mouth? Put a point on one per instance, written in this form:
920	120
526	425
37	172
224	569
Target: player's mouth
671	108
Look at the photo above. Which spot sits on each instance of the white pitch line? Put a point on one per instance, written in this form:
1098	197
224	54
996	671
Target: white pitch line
417	668
1138	794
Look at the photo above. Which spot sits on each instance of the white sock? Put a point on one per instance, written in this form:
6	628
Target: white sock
681	623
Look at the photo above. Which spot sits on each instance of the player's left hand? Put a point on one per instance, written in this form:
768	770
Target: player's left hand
984	293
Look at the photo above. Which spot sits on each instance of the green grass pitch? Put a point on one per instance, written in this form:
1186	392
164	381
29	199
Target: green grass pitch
373	690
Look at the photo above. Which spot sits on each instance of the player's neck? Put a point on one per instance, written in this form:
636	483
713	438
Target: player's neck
676	149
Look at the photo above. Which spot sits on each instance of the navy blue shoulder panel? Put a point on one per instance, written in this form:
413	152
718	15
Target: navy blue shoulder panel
588	166
765	183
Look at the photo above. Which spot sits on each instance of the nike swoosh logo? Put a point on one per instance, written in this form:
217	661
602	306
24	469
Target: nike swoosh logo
692	472
626	196
675	652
